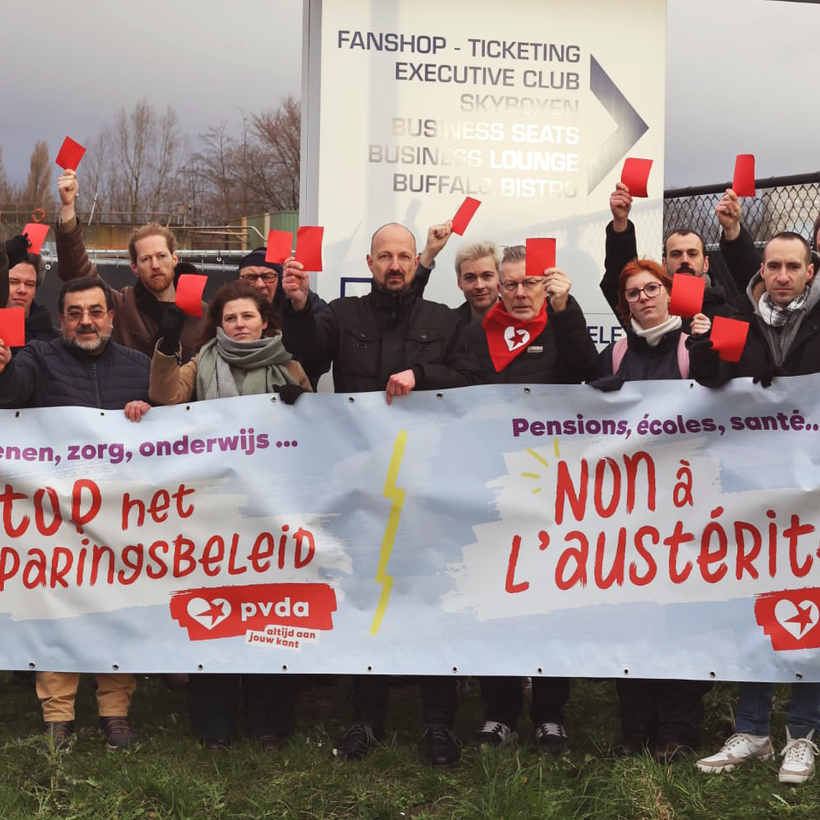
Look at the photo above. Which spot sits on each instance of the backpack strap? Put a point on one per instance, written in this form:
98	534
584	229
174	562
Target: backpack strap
618	353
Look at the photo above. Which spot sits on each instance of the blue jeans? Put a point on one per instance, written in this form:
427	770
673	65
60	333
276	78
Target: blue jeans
755	704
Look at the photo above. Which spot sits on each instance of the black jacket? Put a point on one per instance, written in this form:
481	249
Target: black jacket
369	338
641	361
622	248
563	353
757	360
53	374
39	324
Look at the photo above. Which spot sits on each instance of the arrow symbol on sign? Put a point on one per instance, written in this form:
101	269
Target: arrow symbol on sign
631	126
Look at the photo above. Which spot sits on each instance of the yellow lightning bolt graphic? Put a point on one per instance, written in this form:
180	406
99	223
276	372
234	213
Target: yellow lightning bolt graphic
397	495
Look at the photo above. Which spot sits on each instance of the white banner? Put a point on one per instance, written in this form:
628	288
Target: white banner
489	530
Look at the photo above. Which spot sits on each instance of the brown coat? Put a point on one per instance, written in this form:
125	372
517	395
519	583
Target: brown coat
174	384
137	312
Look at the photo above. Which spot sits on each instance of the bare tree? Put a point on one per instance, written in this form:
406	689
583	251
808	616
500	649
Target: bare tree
37	192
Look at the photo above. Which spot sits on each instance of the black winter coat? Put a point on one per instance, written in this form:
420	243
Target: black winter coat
563	353
369	338
641	361
52	374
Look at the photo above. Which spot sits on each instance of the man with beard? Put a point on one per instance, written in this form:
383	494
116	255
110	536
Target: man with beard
683	252
82	368
139	309
395	341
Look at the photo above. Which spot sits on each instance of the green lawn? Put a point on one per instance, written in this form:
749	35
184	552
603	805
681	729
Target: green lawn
169	776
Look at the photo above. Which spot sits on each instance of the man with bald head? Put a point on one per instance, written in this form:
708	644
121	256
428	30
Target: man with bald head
395	341
389	340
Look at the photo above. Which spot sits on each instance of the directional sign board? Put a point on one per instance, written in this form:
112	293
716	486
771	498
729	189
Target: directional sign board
413	105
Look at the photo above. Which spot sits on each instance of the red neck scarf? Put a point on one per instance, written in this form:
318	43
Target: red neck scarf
508	337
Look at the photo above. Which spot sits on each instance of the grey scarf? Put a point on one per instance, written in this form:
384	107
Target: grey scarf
228	368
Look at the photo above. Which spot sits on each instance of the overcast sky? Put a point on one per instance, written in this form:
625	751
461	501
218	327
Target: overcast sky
739	74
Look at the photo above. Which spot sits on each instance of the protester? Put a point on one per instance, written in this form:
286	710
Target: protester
82	368
235	359
783	311
684	252
139	309
537	334
664	716
395	341
477	277
21	273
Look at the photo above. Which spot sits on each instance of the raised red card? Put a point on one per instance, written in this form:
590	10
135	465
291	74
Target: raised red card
635	175
464	214
190	287
280	247
540	256
36	235
729	337
13	326
743	183
687	295
309	247
70	155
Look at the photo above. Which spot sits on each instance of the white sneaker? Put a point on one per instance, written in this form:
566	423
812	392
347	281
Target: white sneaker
738	749
798	759
494	733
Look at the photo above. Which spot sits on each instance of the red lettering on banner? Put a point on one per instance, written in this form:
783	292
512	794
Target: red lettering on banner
56	516
744	561
616	573
79	518
579	555
510	585
651	566
7	499
793	532
674	541
227	612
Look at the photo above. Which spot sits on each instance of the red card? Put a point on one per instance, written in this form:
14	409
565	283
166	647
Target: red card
729	337
189	293
464	214
635	175
36	235
743	183
280	246
13	326
309	247
687	295
540	256
70	155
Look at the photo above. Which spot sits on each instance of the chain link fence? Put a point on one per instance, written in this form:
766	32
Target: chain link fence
788	203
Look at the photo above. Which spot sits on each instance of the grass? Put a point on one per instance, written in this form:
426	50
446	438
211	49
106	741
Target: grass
169	777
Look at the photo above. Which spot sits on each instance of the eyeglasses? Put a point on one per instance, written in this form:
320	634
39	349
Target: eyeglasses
529	285
76	314
251	278
651	290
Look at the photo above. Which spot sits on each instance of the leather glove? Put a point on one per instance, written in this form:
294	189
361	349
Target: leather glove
607	384
289	393
170	327
17	249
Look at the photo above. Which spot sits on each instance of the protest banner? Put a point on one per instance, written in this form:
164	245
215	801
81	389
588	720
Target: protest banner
664	530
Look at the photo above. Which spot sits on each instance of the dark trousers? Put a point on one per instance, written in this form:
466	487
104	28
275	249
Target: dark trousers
504	699
372	693
662	709
213	705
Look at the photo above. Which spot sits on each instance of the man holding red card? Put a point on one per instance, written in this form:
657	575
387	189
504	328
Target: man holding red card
21	273
394	341
537	334
684	252
138	310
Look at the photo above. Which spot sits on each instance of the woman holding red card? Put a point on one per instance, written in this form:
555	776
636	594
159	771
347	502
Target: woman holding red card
662	715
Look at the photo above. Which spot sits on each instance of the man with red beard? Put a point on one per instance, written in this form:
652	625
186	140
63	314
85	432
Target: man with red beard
138	310
537	334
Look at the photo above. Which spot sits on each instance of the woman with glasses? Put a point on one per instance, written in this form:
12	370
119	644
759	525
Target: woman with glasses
234	359
662	715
